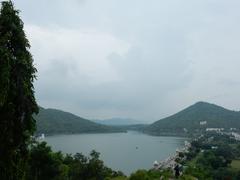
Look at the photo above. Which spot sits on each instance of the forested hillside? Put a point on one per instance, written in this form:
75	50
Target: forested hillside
53	121
188	120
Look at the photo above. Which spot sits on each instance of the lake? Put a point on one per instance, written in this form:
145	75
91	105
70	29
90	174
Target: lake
126	152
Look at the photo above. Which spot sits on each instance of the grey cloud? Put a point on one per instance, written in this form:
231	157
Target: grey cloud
139	59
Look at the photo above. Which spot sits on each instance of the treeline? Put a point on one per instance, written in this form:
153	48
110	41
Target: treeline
43	163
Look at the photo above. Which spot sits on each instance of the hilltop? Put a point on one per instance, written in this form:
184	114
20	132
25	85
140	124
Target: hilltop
54	121
188	120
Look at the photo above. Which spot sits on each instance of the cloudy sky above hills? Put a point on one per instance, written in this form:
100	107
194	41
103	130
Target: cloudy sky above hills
138	59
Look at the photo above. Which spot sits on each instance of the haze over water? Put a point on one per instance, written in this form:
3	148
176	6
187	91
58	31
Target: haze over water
126	152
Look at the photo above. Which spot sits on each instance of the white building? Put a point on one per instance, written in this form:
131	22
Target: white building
236	136
203	123
41	137
215	129
155	165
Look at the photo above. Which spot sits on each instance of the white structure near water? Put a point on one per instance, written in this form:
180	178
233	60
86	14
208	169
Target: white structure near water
41	137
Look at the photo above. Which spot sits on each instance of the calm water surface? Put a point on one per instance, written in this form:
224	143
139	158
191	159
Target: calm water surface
126	152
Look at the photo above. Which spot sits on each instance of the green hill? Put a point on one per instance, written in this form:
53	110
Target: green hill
53	121
190	118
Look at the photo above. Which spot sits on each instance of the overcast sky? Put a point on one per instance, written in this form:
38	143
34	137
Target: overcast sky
142	59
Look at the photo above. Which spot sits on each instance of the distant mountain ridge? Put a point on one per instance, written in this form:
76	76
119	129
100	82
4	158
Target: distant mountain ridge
54	121
189	120
118	121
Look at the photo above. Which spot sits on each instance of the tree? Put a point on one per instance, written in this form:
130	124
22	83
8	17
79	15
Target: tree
17	101
46	164
139	175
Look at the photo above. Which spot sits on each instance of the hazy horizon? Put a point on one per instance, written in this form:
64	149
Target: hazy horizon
133	59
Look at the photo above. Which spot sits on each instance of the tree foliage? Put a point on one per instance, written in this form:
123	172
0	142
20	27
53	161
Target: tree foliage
213	162
46	164
17	101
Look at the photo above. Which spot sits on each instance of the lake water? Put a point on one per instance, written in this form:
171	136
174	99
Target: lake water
126	152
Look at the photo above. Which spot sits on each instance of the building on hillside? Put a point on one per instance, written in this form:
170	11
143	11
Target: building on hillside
215	129
203	123
187	144
185	130
155	165
236	136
